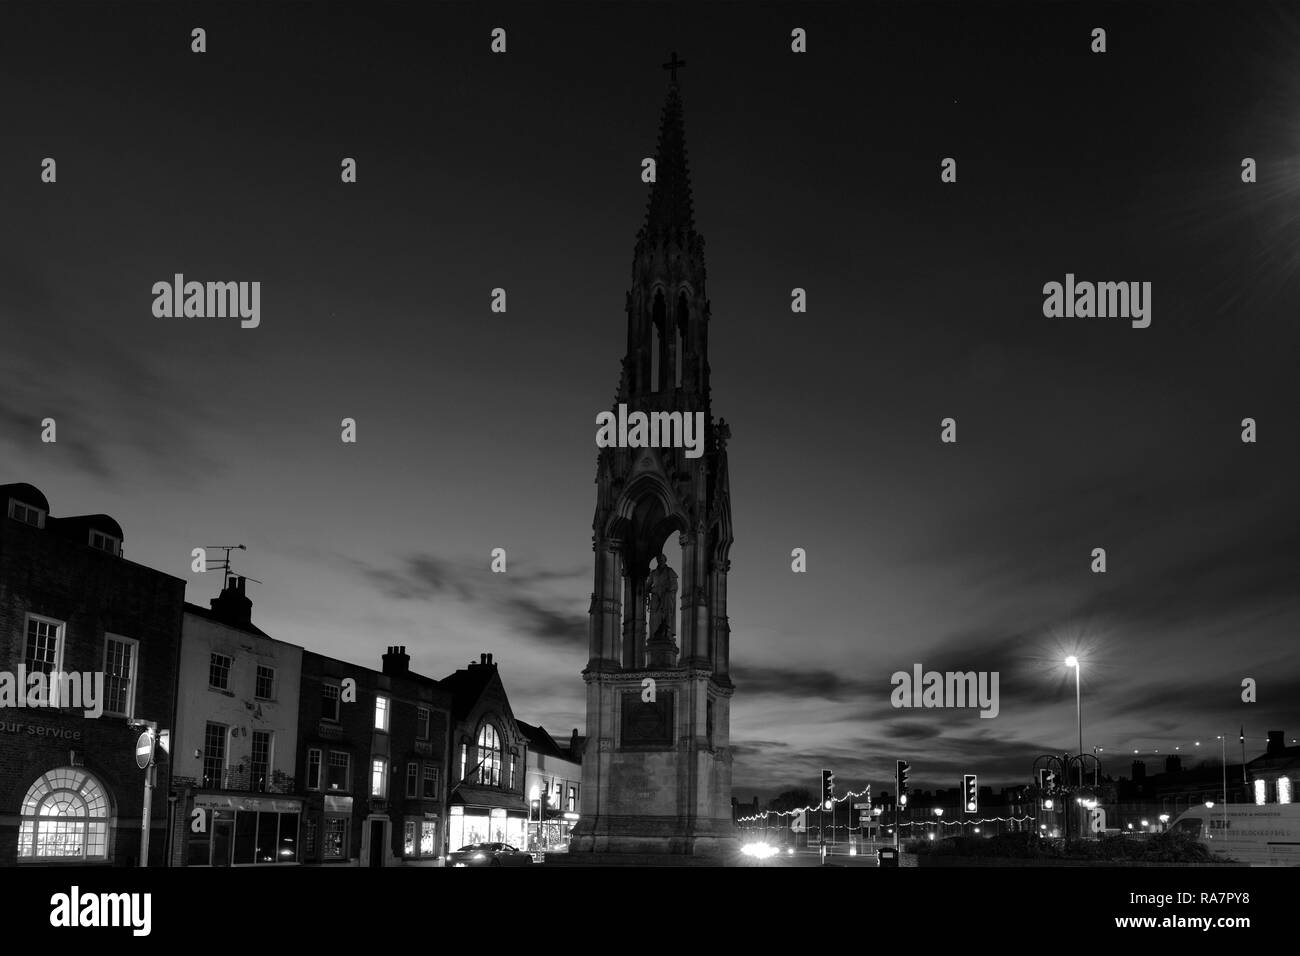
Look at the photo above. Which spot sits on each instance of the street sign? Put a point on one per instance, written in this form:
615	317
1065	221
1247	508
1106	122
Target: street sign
144	750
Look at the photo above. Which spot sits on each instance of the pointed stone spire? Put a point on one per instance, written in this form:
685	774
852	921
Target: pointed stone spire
669	212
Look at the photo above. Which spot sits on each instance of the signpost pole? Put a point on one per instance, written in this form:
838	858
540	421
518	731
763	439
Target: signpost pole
144	754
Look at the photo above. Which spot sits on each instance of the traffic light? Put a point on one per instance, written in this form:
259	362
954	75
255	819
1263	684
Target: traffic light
970	793
1046	780
828	790
903	768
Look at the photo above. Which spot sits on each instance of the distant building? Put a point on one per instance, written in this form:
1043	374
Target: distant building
553	784
235	798
1274	774
72	607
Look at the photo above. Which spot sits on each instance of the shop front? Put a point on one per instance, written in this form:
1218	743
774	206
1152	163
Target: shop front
481	824
244	831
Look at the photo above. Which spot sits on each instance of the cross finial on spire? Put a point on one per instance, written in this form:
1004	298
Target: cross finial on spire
673	65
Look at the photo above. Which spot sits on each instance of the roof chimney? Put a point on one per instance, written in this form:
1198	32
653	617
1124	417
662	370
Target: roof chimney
1139	771
232	606
1173	764
396	661
1276	743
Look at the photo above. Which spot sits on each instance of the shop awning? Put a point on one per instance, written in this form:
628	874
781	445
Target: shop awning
491	799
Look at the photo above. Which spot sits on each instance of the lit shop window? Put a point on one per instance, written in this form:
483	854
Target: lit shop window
1283	789
1261	791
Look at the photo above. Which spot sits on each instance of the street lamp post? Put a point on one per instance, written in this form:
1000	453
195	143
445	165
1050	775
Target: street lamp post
1073	661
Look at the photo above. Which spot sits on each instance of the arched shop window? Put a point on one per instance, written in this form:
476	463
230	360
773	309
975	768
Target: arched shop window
64	817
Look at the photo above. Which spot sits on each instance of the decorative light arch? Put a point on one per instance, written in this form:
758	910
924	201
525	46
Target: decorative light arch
65	816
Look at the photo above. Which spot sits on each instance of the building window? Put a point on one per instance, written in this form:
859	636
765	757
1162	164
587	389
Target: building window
26	513
264	688
336	838
261	761
430	782
422	723
329	702
412	778
214	755
381	714
489	757
464	760
514	759
313	769
44	645
105	542
408	838
340	768
379	778
573	799
119	675
64	817
219	671
427	830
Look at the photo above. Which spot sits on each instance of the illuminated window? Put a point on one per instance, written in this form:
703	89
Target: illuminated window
1261	791
64	817
1283	789
379	778
489	755
464	759
427	830
408	838
335	844
430	782
381	713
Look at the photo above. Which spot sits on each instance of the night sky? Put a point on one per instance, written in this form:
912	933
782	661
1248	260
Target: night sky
476	429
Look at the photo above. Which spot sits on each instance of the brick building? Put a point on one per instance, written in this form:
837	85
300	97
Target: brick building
486	799
372	761
72	607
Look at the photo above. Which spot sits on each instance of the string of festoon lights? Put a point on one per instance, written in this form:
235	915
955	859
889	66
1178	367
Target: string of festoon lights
959	823
1203	744
763	815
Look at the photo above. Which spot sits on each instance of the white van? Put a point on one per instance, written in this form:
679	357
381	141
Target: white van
1261	835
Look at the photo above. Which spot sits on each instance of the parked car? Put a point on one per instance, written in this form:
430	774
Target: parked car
489	854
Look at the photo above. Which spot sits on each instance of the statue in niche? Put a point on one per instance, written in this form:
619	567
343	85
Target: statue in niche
661	598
